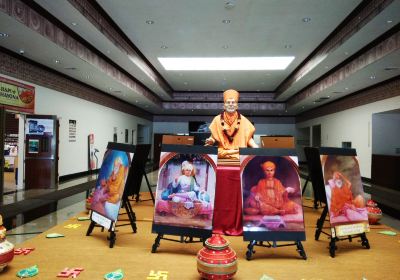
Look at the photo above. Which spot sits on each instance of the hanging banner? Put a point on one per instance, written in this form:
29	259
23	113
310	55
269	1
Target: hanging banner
17	96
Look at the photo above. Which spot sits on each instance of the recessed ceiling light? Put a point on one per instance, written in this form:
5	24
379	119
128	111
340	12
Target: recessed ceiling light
150	21
346	88
137	101
87	77
225	47
389	21
288	46
229	5
110	88
306	19
346	53
328	96
57	61
372	77
225	63
74	23
164	47
3	35
185	83
226	21
391	68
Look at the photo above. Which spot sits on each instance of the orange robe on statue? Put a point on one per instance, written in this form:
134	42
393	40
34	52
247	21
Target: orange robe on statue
243	135
271	198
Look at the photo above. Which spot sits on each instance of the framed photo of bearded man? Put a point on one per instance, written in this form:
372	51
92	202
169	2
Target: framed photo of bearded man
272	203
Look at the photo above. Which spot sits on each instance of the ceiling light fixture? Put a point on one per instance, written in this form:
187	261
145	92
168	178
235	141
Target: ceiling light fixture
225	47
225	63
150	21
164	47
391	68
306	19
3	35
226	21
372	77
229	4
74	23
288	46
389	21
57	61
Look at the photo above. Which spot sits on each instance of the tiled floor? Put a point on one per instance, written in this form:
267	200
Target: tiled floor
35	227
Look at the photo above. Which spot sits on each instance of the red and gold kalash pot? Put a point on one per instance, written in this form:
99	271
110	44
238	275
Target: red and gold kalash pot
6	248
374	212
216	260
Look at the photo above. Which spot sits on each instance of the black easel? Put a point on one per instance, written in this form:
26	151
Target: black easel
315	176
332	235
182	239
250	248
131	217
139	171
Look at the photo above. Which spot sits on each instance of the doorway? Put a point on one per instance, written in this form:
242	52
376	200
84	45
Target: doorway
316	135
11	152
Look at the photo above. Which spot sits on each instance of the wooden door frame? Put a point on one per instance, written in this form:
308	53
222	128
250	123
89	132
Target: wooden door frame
2	135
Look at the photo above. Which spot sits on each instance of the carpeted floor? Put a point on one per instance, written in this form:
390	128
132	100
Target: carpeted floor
132	253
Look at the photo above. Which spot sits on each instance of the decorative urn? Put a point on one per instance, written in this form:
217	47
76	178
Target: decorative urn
216	260
6	248
374	212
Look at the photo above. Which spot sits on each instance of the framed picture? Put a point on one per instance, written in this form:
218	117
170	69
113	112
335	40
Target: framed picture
185	195
272	203
110	185
33	146
344	191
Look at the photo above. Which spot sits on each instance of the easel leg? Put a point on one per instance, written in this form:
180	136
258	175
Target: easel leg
112	238
156	243
332	247
90	229
149	187
305	185
300	249
320	223
131	214
364	241
250	250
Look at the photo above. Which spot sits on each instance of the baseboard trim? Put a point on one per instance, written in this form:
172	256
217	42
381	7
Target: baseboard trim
72	176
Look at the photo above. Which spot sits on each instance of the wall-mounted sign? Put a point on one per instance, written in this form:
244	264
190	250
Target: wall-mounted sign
16	96
39	126
72	131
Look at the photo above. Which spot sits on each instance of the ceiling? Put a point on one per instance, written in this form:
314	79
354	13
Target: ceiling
119	43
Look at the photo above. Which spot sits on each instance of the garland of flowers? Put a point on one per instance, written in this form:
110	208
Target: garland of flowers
230	137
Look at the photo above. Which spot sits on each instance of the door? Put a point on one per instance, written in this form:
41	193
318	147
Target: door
40	151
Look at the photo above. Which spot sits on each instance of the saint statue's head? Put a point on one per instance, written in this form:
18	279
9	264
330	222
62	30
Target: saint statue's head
231	99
